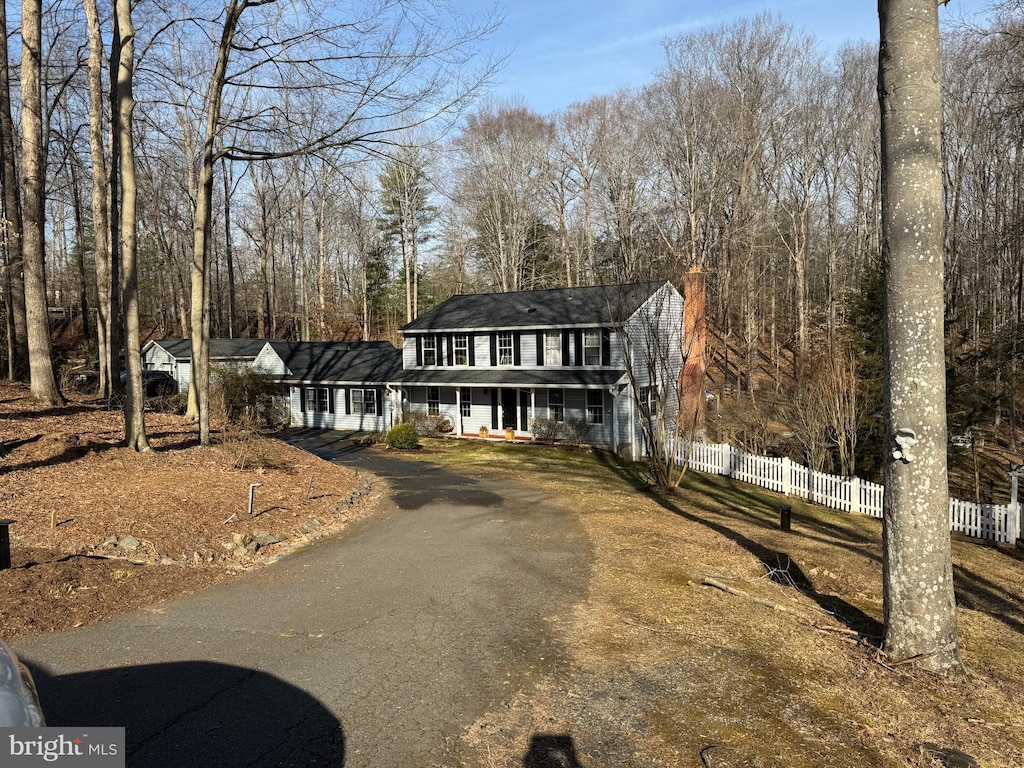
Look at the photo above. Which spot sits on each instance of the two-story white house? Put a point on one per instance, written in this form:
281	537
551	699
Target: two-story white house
607	360
493	363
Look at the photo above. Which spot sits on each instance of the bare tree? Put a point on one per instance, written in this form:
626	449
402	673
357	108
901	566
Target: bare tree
919	605
40	358
501	179
386	72
134	416
14	280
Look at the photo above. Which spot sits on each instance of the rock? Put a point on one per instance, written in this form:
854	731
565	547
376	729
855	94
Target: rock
110	542
129	543
239	552
252	546
241	539
265	538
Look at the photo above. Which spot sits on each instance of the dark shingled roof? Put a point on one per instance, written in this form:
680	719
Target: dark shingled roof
359	362
181	349
601	305
511	377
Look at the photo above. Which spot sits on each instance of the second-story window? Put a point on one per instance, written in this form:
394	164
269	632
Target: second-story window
430	350
505	348
460	348
592	347
552	348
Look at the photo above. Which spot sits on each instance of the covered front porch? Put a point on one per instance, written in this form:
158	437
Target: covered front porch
518	413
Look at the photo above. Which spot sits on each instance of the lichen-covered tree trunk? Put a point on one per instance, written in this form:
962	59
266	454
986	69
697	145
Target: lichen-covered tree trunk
40	359
109	368
920	610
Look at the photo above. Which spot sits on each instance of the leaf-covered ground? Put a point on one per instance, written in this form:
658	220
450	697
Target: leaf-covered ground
100	529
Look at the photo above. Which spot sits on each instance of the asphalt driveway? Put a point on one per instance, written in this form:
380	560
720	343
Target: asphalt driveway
377	647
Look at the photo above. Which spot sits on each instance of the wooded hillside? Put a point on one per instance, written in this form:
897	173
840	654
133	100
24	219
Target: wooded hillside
365	178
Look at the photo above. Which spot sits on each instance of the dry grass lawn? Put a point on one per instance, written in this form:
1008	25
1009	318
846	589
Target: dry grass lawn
665	671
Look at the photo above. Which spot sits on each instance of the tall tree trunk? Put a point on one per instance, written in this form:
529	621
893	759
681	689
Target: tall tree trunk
40	358
229	250
919	605
14	280
134	414
76	204
199	386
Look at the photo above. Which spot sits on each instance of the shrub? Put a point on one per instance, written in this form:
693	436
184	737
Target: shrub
576	430
429	424
546	430
248	398
404	437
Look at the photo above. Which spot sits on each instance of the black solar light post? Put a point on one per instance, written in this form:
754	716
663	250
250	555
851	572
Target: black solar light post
785	516
5	544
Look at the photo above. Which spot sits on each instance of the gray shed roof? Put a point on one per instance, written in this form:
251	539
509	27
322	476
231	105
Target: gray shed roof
181	349
601	305
370	362
511	377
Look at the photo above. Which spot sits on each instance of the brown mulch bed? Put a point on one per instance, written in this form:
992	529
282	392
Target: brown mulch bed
100	529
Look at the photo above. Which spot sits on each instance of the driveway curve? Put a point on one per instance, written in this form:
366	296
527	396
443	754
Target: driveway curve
376	647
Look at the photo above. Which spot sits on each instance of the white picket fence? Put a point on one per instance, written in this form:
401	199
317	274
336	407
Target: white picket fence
994	522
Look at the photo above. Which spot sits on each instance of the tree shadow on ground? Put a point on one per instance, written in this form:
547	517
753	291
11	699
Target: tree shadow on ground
976	592
197	713
551	750
75	451
783	570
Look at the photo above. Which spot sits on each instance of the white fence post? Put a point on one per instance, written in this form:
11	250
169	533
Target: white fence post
855	494
1013	524
787	475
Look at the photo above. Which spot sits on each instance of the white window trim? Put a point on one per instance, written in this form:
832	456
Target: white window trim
429	345
460	350
552	356
592	407
506	353
586	347
560	406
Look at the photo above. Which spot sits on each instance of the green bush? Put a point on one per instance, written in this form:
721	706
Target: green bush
403	437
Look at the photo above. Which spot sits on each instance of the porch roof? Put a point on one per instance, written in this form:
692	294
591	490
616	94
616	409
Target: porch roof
544	378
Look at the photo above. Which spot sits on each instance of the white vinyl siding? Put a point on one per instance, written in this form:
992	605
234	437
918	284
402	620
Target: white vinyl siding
339	419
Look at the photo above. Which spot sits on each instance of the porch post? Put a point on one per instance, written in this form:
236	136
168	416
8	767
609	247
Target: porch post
458	408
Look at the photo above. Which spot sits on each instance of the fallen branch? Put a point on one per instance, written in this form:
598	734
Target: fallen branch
774	606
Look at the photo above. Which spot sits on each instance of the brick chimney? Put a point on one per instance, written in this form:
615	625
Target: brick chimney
691	378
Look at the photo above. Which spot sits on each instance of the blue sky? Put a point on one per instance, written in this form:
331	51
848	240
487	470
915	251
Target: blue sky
564	51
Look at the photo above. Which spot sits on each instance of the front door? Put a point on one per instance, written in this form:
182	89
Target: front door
508	408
